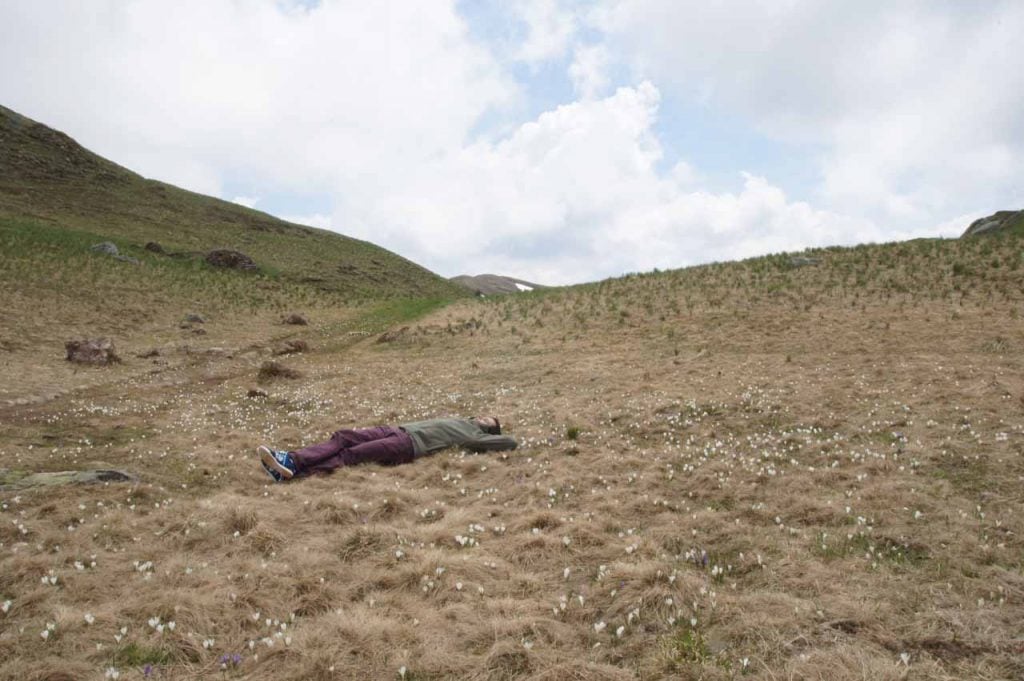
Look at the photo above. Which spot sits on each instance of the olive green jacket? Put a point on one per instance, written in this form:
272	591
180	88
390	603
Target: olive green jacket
430	436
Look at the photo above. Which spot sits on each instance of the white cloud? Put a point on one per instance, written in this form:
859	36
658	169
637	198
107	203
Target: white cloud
685	175
914	107
247	201
589	70
343	95
577	194
550	26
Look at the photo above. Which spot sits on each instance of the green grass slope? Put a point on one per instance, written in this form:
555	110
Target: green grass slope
46	178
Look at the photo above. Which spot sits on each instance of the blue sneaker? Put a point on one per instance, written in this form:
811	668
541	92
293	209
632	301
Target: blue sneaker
271	472
278	465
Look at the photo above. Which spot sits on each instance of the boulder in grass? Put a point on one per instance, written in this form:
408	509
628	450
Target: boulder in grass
110	248
107	247
99	351
235	260
294	318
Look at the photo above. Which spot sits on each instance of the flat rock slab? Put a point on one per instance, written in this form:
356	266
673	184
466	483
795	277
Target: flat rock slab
13	479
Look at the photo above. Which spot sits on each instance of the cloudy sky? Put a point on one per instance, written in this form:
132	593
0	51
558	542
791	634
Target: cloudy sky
553	140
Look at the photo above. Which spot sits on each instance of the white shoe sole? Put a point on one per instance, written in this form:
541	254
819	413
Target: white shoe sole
269	460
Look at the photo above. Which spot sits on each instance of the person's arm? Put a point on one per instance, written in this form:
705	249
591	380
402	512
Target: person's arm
491	443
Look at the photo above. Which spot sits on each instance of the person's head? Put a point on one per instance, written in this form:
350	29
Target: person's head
489	424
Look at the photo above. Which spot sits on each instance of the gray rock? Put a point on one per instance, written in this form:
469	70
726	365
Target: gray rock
194	318
803	261
91	351
108	247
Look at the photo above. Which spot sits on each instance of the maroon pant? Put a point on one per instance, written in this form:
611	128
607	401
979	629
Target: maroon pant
383	444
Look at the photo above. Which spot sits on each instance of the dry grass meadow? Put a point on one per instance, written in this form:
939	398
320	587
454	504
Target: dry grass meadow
746	470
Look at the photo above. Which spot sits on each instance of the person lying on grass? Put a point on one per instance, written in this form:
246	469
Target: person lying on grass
388	445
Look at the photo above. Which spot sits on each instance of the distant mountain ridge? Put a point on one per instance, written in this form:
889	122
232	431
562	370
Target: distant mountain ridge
46	177
494	284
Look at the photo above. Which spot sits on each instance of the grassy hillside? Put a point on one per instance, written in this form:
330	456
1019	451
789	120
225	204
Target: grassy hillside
1016	225
46	178
753	470
57	200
